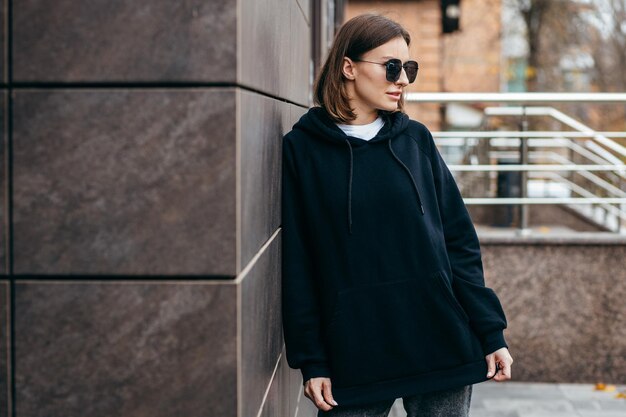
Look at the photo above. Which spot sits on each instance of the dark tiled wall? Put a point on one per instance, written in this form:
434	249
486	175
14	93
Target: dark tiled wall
108	348
123	40
124	181
4	106
142	143
4	347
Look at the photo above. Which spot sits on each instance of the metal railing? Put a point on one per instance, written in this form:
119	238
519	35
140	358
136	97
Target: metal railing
585	166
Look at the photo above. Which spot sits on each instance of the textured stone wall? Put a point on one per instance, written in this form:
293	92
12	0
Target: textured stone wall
564	301
140	205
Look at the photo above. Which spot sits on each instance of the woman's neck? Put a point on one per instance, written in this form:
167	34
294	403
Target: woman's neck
364	118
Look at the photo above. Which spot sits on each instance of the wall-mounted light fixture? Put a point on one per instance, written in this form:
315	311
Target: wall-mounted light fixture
450	15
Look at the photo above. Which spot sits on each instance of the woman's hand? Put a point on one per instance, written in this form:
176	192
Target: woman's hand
318	390
504	361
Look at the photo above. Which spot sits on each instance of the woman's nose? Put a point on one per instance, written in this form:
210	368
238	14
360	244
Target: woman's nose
403	80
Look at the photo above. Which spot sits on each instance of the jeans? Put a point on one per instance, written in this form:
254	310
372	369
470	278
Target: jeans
445	403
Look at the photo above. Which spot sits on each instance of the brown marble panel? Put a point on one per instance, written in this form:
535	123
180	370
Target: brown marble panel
263	44
3	42
276	403
259	166
565	307
183	40
5	376
285	397
141	349
261	331
275	48
305	7
299	86
4	105
124	182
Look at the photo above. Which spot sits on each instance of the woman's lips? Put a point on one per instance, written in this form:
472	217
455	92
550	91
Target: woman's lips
396	95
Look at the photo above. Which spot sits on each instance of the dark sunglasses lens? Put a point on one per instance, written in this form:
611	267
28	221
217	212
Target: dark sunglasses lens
394	67
411	68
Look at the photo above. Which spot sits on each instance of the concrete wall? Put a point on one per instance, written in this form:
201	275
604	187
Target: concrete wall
140	233
564	301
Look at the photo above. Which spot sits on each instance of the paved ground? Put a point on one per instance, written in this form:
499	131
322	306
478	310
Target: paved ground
519	399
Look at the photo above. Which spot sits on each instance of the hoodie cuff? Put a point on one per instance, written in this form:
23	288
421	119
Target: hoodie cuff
314	370
493	341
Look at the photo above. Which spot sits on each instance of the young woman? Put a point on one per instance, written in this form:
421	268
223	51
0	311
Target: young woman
383	293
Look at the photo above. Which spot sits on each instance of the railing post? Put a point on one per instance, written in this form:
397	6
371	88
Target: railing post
523	227
621	207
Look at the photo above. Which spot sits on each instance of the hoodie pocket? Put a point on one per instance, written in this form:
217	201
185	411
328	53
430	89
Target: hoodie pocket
395	329
446	289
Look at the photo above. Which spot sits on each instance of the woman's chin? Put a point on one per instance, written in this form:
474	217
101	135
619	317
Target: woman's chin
390	107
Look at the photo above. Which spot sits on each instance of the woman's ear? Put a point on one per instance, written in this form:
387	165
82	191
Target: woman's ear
347	68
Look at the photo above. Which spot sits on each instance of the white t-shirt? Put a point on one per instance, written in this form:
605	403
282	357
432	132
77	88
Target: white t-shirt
366	132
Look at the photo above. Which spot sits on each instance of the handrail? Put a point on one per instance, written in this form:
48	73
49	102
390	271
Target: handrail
580	190
543	200
600	181
557	115
514	97
520	134
538	167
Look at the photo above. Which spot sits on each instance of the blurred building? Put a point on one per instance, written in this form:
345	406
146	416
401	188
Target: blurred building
467	59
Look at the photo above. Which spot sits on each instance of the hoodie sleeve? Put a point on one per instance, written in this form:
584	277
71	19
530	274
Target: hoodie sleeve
486	315
300	307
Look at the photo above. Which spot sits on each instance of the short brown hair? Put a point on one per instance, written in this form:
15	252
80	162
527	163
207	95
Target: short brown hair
355	37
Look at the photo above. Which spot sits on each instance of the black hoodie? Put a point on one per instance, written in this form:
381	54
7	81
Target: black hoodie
382	278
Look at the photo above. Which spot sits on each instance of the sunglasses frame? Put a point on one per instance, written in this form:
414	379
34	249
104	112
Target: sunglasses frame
397	62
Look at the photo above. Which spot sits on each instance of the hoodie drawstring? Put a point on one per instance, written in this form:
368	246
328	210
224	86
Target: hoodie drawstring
417	193
408	171
350	190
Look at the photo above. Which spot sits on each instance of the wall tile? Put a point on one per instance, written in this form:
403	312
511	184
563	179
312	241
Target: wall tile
279	66
69	41
299	84
3	181
4	347
264	22
305	7
259	167
141	349
277	404
261	331
3	42
293	401
146	187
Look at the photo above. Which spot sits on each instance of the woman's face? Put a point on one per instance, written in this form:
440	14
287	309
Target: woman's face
367	83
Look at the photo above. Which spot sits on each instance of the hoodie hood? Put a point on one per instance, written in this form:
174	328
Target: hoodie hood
318	124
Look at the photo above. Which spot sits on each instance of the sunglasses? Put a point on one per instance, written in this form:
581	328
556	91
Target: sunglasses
394	68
